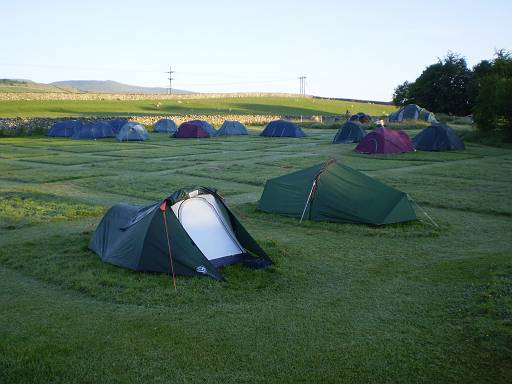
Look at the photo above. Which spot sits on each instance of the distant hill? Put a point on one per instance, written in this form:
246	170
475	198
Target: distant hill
109	86
21	85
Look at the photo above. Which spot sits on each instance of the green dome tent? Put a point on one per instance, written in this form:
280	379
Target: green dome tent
192	232
232	128
334	192
350	132
282	128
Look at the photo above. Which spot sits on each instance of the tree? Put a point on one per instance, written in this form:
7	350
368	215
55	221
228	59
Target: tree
445	86
493	105
401	95
480	70
448	86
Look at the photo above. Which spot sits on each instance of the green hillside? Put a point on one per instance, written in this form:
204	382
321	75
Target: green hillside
21	86
294	106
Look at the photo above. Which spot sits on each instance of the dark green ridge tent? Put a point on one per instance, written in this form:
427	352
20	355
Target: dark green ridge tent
335	192
202	232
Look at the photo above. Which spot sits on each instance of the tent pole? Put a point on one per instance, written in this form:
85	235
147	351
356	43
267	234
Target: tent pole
317	178
169	247
307	201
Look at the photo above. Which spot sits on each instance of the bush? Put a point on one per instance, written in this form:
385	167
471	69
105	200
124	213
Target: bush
445	86
317	125
413	124
475	136
456	120
493	108
14	131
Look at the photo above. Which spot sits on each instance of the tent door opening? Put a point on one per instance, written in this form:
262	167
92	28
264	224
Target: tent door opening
210	230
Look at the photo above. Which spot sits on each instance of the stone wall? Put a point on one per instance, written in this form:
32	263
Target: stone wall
20	126
216	120
125	96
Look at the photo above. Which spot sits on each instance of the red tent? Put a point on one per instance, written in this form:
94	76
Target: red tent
384	140
190	129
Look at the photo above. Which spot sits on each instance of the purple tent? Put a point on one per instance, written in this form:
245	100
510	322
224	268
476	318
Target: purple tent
384	140
191	129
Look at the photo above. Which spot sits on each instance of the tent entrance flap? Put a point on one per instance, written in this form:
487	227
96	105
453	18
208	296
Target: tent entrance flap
207	226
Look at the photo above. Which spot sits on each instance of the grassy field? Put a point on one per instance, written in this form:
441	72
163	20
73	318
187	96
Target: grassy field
271	105
408	303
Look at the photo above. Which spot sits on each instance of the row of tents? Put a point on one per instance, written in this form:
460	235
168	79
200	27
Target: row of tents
125	130
383	140
122	129
202	129
408	112
193	232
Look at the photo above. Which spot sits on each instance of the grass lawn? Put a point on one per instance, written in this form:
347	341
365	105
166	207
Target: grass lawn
267	105
407	303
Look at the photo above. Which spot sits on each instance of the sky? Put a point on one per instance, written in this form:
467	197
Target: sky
350	49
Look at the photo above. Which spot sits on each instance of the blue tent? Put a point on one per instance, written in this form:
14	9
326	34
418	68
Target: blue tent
282	128
64	128
232	128
360	117
350	132
93	131
117	124
437	137
165	125
132	131
205	125
412	112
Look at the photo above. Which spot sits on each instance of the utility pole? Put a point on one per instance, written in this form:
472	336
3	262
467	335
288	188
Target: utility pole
302	85
170	72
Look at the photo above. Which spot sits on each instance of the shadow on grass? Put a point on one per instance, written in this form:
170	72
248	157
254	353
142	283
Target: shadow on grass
243	109
69	263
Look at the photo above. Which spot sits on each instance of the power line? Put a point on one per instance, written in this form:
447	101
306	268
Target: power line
238	82
170	72
229	79
302	86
